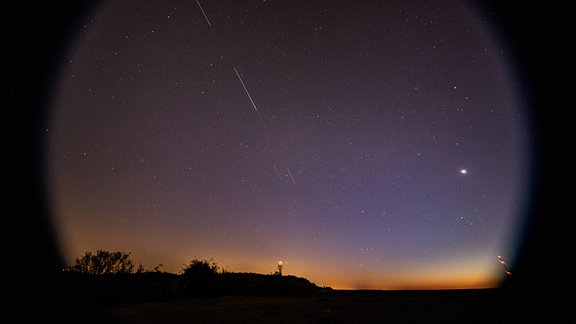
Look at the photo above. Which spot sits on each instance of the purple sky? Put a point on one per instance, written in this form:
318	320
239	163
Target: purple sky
342	156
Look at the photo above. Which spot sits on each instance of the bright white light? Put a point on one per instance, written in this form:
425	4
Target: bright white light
463	171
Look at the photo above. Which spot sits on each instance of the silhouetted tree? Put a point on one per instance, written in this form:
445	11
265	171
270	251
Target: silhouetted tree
200	269
198	278
104	262
157	268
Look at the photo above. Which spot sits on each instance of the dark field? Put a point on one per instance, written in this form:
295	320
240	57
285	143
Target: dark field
462	306
254	298
324	307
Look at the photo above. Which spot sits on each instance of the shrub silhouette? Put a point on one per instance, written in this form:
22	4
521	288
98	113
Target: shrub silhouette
104	262
200	268
198	278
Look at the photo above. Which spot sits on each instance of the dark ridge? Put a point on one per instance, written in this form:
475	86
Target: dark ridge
159	286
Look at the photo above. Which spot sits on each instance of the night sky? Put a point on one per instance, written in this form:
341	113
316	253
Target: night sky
365	144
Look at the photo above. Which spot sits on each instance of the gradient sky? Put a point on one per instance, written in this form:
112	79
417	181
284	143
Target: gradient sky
366	144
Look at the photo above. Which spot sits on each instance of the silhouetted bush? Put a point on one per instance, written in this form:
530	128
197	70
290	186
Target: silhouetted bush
104	262
200	268
198	278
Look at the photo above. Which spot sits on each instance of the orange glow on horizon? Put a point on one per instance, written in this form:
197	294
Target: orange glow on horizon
455	274
421	284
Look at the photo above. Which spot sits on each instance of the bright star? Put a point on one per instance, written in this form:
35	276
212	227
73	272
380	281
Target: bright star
463	171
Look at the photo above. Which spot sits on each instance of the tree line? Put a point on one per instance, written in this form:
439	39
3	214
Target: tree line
105	262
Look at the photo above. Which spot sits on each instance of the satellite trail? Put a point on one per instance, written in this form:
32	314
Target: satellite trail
277	173
207	20
249	96
291	177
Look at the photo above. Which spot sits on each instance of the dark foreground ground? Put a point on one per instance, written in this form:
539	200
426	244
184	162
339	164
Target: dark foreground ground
454	306
323	307
253	298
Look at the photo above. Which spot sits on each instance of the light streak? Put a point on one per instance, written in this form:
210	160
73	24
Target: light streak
291	177
277	173
207	20
249	96
504	265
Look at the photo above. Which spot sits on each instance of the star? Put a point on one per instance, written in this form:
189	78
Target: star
463	171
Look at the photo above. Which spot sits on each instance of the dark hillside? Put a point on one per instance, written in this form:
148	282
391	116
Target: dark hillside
257	284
